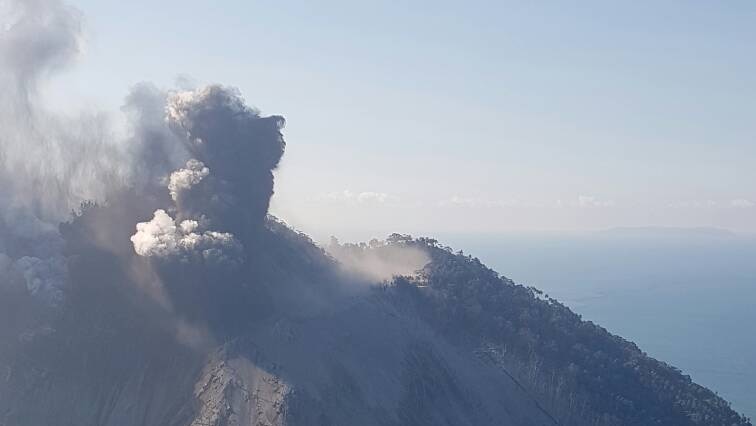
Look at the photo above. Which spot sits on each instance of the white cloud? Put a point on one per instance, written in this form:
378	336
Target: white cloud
367	197
475	202
683	204
742	203
735	203
590	201
582	201
376	197
456	200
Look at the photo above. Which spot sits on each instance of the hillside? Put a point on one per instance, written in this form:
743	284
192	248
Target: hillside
309	352
305	343
580	373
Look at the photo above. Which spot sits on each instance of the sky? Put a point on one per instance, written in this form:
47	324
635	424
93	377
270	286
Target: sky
437	117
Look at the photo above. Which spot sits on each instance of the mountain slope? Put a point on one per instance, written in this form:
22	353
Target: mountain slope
453	345
578	371
311	352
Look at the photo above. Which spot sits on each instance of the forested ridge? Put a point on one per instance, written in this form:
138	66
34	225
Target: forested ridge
579	372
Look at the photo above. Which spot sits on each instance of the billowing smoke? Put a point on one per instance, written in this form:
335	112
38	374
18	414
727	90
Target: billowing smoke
51	163
220	198
182	180
162	237
36	173
239	146
153	150
31	255
182	197
38	36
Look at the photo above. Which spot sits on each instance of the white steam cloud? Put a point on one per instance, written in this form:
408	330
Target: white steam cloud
184	179
162	237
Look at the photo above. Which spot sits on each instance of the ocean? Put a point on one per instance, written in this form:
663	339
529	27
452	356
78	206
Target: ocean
687	297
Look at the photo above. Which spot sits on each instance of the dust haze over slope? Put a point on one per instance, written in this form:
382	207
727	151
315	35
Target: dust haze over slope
170	297
377	260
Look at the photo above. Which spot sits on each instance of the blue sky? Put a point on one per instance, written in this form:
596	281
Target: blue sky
465	117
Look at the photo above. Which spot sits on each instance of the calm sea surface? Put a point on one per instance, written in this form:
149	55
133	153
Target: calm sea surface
687	298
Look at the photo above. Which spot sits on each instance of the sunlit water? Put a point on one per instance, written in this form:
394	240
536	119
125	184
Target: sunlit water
687	299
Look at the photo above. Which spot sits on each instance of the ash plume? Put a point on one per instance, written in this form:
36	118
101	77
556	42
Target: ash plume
240	147
39	36
52	163
225	189
153	150
42	166
31	256
183	194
